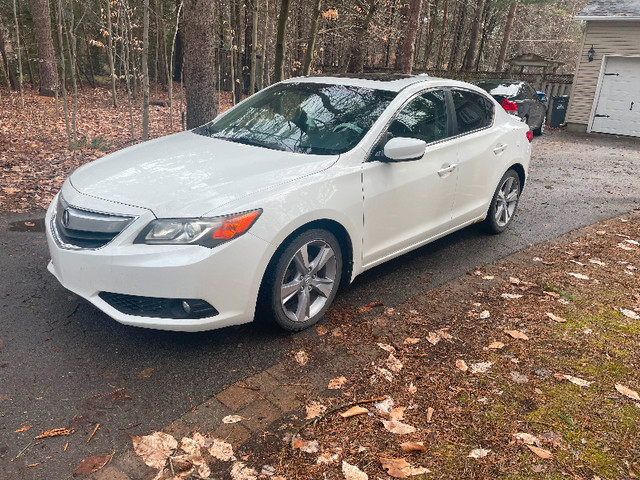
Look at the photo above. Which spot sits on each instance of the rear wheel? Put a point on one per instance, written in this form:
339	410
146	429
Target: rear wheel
305	279
504	203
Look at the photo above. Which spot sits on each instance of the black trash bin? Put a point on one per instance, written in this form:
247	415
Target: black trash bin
559	110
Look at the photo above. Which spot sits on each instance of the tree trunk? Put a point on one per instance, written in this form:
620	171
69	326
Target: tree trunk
445	17
404	25
20	78
313	35
457	37
170	66
239	84
281	37
254	47
199	60
145	71
63	72
408	46
264	64
357	56
505	38
470	57
44	44
112	69
13	82
71	42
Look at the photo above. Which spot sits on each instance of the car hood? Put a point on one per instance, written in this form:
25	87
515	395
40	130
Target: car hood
188	175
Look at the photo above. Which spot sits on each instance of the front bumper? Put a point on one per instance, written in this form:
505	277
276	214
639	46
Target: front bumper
227	277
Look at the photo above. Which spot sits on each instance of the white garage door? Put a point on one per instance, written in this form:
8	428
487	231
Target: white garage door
618	102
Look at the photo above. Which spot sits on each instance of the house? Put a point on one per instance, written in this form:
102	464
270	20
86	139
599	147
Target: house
605	96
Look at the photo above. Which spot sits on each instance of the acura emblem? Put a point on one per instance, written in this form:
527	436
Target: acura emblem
65	217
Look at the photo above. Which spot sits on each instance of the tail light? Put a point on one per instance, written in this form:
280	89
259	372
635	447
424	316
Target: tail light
530	135
509	106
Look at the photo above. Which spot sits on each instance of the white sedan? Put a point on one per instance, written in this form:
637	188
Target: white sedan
278	201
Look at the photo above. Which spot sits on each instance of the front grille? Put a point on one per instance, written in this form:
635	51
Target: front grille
77	228
158	307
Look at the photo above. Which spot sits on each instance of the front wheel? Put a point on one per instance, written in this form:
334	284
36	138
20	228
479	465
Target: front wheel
540	130
305	279
504	203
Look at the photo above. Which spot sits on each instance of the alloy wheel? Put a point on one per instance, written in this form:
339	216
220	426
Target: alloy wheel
506	201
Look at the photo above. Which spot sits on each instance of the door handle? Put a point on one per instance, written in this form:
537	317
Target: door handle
447	169
500	148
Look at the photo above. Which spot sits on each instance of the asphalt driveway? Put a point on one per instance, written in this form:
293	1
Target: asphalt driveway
61	359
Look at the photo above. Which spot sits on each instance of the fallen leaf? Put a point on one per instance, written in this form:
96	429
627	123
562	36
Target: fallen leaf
552	294
625	247
516	334
385	405
575	380
327	458
397	413
630	314
433	338
413	447
91	464
155	448
628	392
232	419
321	330
597	262
369	306
541	452
398	428
527	438
461	365
353	411
337	383
311	446
314	409
387	348
478	453
411	341
240	471
400	468
632	242
430	411
351	472
386	374
495	346
488	277
393	363
29	224
54	432
146	373
555	318
412	389
514	280
578	275
512	296
555	439
481	367
484	314
25	426
222	450
301	357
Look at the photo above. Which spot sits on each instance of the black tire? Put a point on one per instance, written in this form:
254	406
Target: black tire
509	182
317	285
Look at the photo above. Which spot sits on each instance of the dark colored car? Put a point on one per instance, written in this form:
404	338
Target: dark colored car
519	98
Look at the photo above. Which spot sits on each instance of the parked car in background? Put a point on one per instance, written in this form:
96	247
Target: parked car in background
279	200
519	98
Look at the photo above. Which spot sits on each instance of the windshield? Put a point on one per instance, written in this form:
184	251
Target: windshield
302	117
505	89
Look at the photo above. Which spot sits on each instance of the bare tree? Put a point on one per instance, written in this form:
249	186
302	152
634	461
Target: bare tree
445	17
278	74
13	82
110	47
254	46
408	45
145	71
472	50
357	55
199	61
313	35
15	18
44	43
506	36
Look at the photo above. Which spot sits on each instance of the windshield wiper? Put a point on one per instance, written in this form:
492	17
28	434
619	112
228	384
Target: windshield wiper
246	141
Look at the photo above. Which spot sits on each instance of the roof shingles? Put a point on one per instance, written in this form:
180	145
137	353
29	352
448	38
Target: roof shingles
608	8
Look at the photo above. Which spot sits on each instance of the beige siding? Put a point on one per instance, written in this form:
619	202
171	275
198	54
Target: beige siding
607	38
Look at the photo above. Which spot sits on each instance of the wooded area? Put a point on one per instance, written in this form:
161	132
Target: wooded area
60	46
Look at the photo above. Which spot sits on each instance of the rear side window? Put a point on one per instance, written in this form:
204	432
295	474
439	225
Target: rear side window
424	118
473	111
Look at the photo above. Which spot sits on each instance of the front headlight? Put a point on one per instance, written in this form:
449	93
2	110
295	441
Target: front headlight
208	232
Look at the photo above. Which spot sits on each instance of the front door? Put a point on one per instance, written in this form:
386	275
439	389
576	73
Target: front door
408	203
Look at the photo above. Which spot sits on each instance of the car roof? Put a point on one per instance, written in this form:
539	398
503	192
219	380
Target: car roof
393	82
504	81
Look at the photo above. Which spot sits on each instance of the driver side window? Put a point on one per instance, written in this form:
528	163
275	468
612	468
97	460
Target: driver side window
424	118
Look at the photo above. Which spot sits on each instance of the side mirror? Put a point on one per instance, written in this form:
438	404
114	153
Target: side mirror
401	149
